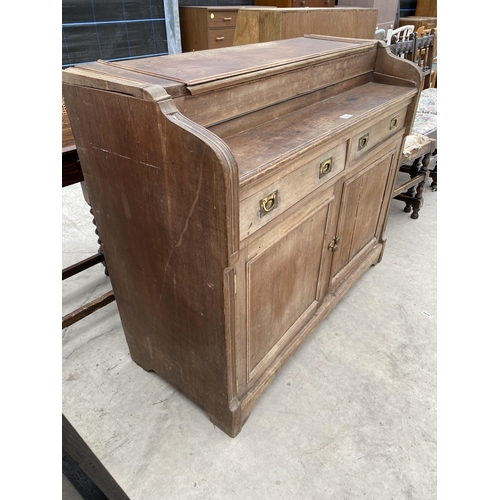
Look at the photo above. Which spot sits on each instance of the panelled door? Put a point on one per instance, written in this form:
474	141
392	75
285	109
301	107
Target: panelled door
361	212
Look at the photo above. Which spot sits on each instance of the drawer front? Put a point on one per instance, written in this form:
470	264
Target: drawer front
220	38
366	140
222	19
267	203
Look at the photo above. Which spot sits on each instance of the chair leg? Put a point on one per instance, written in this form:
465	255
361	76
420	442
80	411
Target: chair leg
434	176
100	251
419	198
410	194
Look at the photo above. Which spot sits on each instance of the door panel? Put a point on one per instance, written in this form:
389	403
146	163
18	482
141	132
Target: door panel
282	286
360	210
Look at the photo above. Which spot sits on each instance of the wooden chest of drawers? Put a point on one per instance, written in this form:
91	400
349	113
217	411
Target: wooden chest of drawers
239	193
207	27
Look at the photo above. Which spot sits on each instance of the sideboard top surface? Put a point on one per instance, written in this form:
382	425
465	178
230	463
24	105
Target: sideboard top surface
254	151
214	64
221	88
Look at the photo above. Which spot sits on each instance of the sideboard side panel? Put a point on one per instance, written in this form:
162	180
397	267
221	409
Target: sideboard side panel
164	196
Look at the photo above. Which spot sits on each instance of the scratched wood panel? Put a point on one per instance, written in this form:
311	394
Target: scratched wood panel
147	202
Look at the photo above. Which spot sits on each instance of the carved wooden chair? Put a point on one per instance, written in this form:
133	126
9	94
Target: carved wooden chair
419	158
416	157
419	48
426	123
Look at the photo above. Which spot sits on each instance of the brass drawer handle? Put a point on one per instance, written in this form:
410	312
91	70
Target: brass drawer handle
268	203
394	122
363	141
325	167
227	18
219	38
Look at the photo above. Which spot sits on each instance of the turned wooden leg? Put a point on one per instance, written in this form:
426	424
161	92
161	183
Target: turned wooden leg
415	167
419	199
100	251
434	176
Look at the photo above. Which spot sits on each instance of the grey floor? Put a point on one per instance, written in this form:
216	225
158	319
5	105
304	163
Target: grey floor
352	415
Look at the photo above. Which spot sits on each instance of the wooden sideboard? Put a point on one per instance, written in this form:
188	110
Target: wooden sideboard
239	193
259	24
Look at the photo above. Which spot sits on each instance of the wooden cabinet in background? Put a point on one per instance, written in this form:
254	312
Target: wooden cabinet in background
387	10
239	194
295	3
207	27
425	22
260	24
426	8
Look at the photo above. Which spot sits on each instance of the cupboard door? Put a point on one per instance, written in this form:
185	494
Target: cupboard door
361	211
283	283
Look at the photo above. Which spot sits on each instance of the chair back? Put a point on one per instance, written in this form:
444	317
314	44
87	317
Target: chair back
419	50
399	34
403	49
423	53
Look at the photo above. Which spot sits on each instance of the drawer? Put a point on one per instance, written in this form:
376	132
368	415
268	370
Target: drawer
222	19
220	38
369	138
267	203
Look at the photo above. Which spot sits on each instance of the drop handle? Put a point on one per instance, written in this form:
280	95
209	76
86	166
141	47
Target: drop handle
268	203
394	122
325	167
363	141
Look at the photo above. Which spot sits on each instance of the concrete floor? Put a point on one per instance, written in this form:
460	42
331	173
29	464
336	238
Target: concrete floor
352	415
